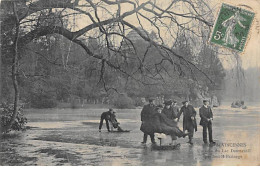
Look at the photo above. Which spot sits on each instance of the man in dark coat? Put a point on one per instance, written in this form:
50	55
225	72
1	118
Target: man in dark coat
189	120
169	111
105	116
206	116
146	114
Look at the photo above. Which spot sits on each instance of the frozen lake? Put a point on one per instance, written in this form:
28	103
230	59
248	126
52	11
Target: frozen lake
71	137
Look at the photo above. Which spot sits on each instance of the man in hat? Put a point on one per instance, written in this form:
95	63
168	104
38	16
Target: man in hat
146	114
189	120
170	111
105	116
167	109
206	116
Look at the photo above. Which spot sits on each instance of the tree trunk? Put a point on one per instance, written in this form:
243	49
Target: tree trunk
15	70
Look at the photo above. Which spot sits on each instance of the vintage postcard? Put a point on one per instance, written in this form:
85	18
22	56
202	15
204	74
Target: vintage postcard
130	83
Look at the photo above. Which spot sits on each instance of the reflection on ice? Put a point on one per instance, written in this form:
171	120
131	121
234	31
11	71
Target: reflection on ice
73	139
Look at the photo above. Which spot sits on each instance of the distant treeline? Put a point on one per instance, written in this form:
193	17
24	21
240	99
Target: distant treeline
53	70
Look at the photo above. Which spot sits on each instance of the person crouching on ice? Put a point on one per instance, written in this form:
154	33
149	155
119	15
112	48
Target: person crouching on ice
115	123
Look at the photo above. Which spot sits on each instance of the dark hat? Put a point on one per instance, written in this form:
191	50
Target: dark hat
169	102
110	109
205	100
151	99
184	101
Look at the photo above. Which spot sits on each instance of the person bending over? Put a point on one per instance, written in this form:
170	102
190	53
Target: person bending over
105	116
115	123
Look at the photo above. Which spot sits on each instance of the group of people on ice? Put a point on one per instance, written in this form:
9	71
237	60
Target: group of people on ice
158	119
164	119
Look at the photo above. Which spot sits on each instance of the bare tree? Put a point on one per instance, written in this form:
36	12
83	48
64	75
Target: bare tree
110	21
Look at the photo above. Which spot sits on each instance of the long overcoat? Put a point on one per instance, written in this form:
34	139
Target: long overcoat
147	112
188	112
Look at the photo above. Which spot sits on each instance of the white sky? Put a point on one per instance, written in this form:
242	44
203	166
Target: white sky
251	55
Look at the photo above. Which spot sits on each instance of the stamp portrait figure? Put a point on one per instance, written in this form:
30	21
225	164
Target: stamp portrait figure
230	24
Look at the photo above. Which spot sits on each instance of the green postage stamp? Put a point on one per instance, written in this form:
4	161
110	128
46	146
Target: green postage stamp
232	27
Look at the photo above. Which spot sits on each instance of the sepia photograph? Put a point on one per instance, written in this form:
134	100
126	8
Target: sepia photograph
130	83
